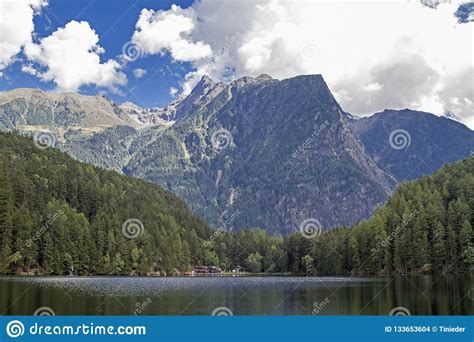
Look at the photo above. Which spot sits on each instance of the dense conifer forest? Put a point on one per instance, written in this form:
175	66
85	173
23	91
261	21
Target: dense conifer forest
59	216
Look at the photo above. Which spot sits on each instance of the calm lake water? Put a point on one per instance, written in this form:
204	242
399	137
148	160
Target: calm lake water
421	295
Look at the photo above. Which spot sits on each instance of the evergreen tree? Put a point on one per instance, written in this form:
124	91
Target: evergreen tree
59	216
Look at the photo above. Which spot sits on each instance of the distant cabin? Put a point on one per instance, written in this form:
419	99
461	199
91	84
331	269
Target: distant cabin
206	271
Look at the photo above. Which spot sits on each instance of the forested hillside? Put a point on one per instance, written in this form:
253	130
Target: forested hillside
60	216
426	226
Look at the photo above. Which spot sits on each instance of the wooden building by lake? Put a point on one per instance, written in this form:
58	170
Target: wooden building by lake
207	271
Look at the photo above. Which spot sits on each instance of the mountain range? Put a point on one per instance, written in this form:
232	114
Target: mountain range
427	141
257	152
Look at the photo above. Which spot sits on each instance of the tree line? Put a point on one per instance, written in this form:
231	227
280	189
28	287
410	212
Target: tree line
59	216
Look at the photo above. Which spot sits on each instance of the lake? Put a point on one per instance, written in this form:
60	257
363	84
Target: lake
420	295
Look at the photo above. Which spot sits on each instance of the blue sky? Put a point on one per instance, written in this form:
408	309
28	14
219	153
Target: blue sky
374	55
114	21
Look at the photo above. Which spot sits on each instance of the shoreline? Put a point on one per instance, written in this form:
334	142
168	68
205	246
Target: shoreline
242	275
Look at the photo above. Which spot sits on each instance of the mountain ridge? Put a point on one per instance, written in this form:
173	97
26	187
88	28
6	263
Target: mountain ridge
281	151
431	141
255	114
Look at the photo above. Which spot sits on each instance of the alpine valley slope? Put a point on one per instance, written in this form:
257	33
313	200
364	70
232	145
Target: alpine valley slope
257	152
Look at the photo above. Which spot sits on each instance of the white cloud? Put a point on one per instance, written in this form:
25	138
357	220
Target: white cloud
71	58
29	69
403	80
173	91
373	54
168	31
456	95
433	3
16	27
139	73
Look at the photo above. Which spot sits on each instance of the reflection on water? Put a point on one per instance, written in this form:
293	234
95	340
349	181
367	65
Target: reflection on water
421	295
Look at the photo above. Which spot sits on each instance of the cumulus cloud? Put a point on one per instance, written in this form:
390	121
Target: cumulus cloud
16	27
139	73
71	58
374	55
456	95
404	80
168	31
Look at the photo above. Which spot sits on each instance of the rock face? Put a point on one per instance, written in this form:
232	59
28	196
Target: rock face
26	109
409	144
269	154
257	152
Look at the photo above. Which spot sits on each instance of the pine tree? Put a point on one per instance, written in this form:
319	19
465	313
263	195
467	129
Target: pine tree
439	247
465	241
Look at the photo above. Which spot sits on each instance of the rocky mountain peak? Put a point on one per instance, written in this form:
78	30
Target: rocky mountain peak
130	106
206	80
264	77
247	80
